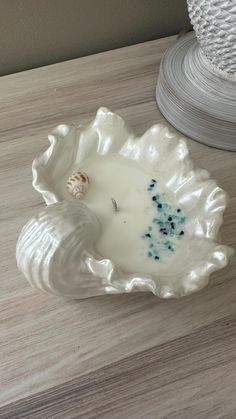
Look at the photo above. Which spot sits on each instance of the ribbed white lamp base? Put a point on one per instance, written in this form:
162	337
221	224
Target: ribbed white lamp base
194	98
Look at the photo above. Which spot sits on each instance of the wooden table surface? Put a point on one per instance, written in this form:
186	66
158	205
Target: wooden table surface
131	356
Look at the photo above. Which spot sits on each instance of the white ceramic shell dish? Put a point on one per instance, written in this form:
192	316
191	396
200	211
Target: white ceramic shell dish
56	249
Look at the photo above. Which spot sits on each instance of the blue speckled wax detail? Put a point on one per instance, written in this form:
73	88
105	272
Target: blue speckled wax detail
167	224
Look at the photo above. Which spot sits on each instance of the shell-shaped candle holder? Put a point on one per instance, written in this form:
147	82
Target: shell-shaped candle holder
56	248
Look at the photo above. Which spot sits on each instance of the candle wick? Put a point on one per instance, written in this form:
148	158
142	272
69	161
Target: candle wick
114	203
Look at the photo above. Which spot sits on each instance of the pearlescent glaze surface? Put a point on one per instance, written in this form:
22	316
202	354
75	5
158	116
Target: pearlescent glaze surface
163	155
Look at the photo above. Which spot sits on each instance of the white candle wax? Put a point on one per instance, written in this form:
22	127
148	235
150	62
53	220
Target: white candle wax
124	236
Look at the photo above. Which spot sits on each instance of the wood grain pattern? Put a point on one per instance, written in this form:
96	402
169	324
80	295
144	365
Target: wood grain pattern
131	356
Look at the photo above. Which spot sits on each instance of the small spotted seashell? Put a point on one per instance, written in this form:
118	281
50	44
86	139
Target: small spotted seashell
78	184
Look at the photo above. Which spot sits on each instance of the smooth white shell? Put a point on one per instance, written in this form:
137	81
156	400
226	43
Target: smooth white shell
55	249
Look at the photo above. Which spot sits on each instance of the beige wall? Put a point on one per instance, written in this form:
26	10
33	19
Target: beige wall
40	32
